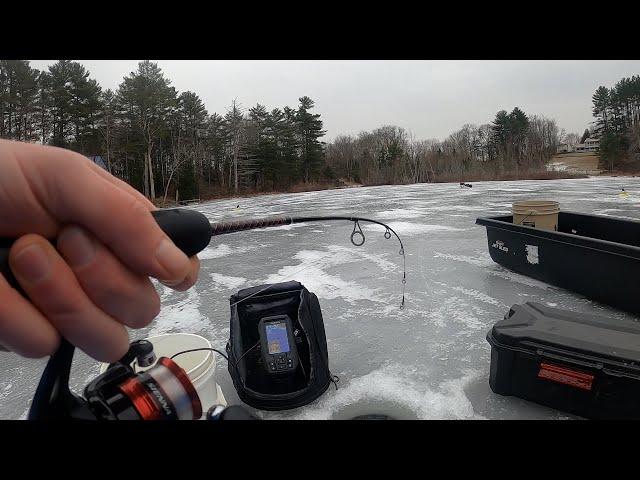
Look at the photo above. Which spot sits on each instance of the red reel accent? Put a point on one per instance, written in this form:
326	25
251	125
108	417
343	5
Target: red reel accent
142	400
145	403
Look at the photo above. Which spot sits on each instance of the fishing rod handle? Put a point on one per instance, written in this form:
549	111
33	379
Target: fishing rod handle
222	228
189	230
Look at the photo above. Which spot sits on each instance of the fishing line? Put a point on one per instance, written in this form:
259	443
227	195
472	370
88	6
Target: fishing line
199	350
357	235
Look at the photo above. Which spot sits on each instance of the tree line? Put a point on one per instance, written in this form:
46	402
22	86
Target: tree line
617	124
167	145
161	141
513	143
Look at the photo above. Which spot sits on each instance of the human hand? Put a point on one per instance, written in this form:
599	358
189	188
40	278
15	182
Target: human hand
108	245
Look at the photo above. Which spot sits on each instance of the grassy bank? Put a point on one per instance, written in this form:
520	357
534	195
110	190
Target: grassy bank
452	178
213	195
620	173
522	175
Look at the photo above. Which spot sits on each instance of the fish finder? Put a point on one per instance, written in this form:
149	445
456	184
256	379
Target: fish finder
278	344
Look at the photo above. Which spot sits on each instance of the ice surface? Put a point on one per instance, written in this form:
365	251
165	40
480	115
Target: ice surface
412	228
227	281
183	315
396	390
223	250
399	213
430	360
312	273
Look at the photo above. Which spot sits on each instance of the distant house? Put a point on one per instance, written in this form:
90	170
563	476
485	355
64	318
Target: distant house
565	148
98	160
589	145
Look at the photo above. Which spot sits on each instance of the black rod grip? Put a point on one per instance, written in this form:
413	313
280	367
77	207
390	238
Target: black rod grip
234	226
188	229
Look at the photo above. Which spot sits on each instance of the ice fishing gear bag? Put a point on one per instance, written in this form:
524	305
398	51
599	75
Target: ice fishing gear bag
578	363
255	386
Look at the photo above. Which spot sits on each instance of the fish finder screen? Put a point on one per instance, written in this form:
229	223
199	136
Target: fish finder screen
277	337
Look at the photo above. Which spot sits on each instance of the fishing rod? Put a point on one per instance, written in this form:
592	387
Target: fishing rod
192	232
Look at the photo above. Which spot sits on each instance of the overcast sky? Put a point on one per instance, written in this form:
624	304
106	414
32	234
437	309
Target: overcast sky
429	98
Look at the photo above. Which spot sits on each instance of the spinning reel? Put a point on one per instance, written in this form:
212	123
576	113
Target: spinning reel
163	392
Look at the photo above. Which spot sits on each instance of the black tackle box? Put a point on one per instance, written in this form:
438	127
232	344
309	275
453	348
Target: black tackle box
578	363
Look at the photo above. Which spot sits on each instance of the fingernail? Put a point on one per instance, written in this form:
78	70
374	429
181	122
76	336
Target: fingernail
188	280
81	249
173	261
32	263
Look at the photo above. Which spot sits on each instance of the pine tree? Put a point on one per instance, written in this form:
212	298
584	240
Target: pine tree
261	143
106	125
18	100
235	132
309	127
192	117
59	92
146	98
44	106
499	135
214	139
290	145
601	106
585	135
518	127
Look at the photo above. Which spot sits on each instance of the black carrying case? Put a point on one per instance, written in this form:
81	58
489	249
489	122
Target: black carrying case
578	363
257	388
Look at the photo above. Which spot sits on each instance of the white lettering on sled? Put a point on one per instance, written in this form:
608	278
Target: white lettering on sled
532	254
499	244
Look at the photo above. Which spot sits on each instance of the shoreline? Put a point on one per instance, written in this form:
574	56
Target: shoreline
540	175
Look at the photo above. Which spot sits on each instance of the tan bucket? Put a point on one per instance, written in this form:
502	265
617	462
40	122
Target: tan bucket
541	214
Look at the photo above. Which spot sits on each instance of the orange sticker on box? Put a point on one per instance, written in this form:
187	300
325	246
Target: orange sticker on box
566	376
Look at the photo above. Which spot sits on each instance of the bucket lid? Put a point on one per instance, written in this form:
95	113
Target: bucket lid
196	364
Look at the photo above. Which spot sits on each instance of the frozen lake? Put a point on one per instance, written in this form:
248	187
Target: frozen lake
428	361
